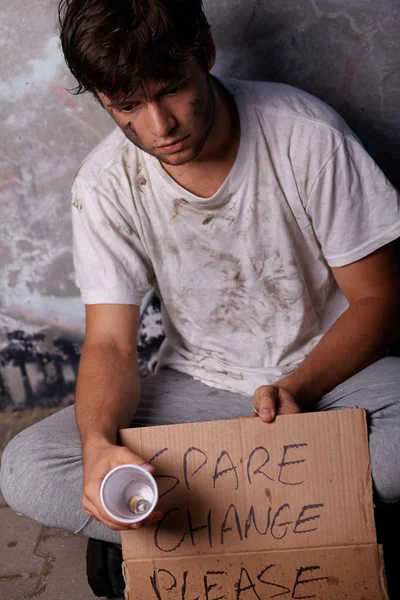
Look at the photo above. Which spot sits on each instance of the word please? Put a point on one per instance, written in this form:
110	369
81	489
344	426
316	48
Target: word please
306	583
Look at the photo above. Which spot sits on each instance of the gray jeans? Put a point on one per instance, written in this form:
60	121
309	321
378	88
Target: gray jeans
41	469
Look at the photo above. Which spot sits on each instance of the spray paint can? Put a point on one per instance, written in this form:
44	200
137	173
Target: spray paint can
129	493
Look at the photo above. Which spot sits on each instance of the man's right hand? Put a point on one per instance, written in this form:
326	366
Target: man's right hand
98	460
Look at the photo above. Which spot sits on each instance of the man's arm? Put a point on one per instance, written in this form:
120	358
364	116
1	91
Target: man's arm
107	397
108	386
360	336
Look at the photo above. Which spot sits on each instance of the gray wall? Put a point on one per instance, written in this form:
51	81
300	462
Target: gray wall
345	52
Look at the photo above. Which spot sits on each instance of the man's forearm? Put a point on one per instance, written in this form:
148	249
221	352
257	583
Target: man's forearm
359	337
107	394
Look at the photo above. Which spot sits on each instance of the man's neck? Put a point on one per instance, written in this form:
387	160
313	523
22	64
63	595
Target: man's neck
225	133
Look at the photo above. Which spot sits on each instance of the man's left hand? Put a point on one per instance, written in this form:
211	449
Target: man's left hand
272	400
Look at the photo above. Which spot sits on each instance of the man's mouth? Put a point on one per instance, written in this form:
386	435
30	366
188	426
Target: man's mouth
174	146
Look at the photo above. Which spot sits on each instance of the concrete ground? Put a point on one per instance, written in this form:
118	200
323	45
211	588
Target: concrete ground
36	561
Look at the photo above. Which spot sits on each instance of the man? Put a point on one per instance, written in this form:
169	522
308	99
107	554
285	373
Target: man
265	227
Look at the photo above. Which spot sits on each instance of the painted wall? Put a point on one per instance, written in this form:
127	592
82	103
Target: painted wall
343	51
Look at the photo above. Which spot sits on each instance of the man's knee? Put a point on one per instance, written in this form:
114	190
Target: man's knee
385	474
386	491
19	472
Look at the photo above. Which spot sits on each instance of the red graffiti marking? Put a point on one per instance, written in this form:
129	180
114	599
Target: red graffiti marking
57	90
4	252
352	63
8	179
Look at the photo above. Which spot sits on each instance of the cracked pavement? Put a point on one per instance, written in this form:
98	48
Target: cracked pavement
37	561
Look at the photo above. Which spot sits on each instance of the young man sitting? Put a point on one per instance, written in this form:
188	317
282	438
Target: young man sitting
264	225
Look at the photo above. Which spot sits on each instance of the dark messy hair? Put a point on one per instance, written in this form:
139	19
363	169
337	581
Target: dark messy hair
114	46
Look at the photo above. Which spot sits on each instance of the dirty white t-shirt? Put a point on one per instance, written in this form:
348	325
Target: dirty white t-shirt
244	276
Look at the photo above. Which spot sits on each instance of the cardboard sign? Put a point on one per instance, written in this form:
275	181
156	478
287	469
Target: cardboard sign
256	511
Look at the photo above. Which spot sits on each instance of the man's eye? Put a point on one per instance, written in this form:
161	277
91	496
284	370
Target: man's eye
128	108
174	91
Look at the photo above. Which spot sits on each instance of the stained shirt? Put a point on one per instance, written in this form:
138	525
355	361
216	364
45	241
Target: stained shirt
244	276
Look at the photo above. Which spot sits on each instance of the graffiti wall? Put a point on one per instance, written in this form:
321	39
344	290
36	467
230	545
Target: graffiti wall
343	52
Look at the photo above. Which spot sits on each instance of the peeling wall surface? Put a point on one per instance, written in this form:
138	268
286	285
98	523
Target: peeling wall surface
345	52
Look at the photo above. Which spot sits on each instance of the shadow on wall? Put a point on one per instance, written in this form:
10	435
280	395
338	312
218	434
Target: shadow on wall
346	54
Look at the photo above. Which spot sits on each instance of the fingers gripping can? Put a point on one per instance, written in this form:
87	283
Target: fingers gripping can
129	493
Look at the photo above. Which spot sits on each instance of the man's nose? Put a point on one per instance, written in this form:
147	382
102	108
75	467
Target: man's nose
162	120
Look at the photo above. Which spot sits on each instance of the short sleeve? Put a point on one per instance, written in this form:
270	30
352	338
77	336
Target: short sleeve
111	266
353	208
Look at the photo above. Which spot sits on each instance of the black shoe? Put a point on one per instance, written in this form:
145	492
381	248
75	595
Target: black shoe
104	569
387	520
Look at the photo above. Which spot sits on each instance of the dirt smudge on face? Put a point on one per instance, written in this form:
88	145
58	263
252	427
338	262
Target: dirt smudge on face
130	127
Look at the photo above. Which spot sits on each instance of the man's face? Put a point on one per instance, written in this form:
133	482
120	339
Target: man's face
169	120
